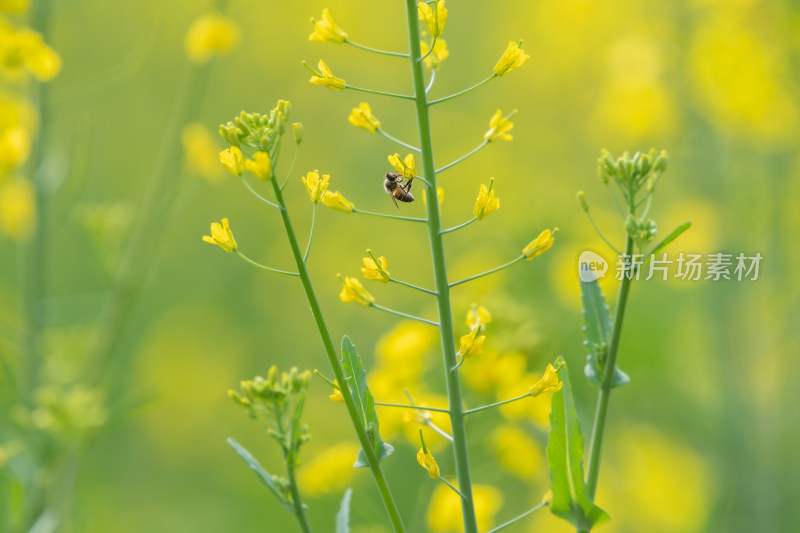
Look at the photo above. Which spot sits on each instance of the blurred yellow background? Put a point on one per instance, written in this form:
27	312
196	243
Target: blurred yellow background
703	439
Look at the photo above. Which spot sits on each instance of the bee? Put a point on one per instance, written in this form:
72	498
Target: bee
393	184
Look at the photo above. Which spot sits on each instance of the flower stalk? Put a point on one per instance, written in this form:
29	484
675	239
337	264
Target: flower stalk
330	351
446	329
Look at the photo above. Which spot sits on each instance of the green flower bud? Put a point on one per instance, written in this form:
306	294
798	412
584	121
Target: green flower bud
582	201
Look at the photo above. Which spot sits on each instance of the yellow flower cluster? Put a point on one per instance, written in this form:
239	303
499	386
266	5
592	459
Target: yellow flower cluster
434	19
362	117
548	383
316	187
209	36
375	268
23	51
513	57
353	291
499	126
325	77
486	201
540	244
260	164
222	236
336	201
405	166
326	30
439	54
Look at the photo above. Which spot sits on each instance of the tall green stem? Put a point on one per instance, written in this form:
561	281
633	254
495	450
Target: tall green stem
330	351
299	509
446	330
608	375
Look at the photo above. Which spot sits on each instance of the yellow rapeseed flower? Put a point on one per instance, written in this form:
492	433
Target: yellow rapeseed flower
548	383
316	187
499	126
199	151
471	344
221	235
17	208
477	316
439	54
426	461
513	57
405	166
208	36
25	51
325	77
439	195
260	165
353	291
327	30
335	200
375	270
540	244
15	145
336	395
486	202
233	160
435	20
362	117
444	511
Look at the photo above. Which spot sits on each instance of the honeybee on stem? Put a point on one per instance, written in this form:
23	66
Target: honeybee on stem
393	184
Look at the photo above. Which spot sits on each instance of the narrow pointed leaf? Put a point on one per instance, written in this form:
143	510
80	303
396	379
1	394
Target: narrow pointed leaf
571	499
668	239
343	516
597	329
262	474
356	379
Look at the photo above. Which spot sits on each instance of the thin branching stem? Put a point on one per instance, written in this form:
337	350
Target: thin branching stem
430	50
492	271
404	315
443	480
310	232
375	50
496	404
439	430
600	233
252	190
333	358
396	140
418	407
382	93
518	518
465	91
463	157
259	265
387	215
431	81
454	228
412	286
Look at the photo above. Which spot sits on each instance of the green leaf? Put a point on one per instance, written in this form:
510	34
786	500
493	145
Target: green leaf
668	239
262	474
571	499
356	379
597	329
343	516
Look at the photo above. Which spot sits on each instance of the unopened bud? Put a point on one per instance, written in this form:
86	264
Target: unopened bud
582	201
297	128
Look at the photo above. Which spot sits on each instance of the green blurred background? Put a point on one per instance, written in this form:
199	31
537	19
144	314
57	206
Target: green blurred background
703	439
